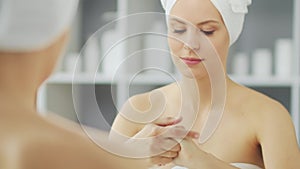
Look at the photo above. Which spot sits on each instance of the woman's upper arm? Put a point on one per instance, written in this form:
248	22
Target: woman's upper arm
276	134
124	128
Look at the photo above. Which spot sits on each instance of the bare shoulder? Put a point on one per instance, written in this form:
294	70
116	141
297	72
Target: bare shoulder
264	112
31	142
142	109
124	124
256	103
33	138
146	100
274	129
58	145
270	114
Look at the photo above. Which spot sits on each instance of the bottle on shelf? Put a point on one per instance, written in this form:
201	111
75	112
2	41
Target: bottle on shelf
262	63
283	57
91	55
241	64
72	63
111	51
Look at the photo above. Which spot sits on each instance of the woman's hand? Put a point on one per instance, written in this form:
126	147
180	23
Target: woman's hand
160	140
191	155
165	146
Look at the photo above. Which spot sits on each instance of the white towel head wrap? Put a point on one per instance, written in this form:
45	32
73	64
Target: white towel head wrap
27	25
232	11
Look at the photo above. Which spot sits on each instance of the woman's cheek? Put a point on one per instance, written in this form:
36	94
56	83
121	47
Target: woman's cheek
220	45
222	52
175	45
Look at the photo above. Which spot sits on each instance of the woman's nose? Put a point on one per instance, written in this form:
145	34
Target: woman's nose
193	40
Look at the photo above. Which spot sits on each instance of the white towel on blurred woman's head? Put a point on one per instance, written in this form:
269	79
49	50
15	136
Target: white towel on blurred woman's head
27	25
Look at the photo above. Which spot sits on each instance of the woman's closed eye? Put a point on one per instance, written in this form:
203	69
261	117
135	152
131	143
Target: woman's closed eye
179	31
208	32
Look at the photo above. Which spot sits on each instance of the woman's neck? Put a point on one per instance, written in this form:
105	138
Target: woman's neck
20	80
22	73
199	92
198	97
196	91
16	99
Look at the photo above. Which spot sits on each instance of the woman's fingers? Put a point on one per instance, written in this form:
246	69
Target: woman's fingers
161	144
161	160
176	132
193	135
168	121
165	142
179	132
165	150
147	131
169	154
176	148
168	138
158	127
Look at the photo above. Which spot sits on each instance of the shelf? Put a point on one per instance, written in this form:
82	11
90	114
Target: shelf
271	81
82	78
154	79
85	78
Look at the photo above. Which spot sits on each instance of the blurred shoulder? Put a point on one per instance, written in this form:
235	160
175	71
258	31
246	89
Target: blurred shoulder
35	138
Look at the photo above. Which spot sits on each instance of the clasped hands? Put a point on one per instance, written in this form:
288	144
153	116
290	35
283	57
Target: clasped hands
172	143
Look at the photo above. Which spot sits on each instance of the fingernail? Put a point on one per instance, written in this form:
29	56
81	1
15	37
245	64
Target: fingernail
170	118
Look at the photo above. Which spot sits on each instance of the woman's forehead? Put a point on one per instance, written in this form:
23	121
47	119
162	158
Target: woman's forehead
195	11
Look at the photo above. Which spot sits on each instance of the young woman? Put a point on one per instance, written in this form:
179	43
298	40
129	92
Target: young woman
252	131
33	34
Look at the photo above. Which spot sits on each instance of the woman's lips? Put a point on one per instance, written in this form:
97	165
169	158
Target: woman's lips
191	61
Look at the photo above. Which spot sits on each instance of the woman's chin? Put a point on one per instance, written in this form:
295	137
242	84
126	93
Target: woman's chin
193	75
194	72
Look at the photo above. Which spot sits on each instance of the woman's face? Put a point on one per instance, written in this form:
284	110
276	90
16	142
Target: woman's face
196	35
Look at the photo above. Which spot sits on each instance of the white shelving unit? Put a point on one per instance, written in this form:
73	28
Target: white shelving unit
56	95
296	88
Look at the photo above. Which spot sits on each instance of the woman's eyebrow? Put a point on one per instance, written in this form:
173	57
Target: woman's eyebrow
208	21
199	24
